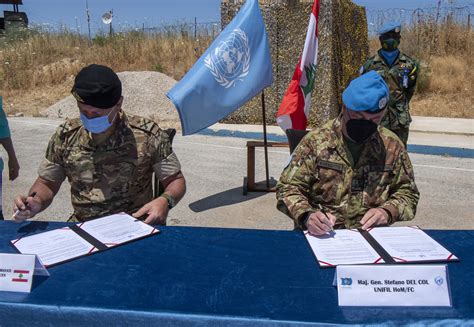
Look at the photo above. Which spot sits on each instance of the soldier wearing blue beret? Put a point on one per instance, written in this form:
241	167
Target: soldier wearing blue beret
400	72
351	172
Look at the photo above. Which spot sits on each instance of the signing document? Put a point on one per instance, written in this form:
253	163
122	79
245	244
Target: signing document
82	239
410	244
377	245
55	246
117	229
343	246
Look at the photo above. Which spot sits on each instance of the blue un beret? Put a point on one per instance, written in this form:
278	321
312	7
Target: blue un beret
389	27
368	92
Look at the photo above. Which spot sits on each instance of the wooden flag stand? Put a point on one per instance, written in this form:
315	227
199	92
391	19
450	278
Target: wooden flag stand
249	180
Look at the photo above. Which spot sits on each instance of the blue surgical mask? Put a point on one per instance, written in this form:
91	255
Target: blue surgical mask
390	56
97	125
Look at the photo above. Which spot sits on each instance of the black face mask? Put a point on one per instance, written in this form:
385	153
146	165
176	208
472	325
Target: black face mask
360	130
390	41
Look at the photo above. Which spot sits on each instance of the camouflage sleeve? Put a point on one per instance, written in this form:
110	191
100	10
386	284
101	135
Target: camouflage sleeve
295	183
165	161
404	195
52	166
365	67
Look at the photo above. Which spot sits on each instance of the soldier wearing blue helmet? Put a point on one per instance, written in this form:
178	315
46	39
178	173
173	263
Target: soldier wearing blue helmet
400	72
351	172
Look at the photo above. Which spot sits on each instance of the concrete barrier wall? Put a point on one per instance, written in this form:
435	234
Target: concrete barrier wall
343	47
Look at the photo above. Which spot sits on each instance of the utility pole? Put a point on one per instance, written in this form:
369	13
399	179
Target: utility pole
195	27
111	30
88	20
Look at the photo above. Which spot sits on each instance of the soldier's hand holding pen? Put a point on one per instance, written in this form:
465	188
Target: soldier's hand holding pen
320	222
26	207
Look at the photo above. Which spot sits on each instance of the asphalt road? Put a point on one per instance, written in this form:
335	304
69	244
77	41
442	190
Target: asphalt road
214	168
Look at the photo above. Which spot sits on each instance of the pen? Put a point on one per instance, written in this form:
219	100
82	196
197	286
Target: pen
18	210
324	213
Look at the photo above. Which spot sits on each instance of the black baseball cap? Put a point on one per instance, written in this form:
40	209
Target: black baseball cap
97	86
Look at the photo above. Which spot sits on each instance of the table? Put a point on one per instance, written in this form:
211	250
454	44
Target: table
188	276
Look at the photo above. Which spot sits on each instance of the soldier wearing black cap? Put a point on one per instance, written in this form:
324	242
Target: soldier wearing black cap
108	157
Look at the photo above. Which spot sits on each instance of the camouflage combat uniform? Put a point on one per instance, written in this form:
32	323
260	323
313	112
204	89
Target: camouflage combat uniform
114	176
401	79
322	171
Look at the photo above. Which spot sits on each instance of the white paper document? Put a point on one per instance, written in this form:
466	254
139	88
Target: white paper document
116	229
408	244
54	246
67	243
393	285
344	246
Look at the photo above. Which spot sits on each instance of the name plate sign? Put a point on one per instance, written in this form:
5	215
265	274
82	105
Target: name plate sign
16	272
387	285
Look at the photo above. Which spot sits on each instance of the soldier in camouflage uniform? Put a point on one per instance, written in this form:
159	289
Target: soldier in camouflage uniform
400	72
351	172
108	157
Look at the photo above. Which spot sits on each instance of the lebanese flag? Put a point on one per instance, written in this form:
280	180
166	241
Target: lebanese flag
21	274
294	109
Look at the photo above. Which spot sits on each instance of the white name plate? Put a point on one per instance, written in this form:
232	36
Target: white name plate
387	285
16	272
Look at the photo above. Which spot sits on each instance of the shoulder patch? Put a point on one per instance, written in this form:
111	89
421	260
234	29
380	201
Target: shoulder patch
70	125
144	124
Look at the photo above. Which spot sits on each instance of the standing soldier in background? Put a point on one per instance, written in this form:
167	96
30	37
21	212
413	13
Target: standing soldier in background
400	73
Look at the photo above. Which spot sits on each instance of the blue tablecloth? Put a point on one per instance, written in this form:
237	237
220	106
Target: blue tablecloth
213	277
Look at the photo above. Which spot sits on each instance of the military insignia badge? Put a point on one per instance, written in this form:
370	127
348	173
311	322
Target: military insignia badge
382	102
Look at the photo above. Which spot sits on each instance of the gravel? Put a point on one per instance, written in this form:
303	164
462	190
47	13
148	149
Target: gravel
144	94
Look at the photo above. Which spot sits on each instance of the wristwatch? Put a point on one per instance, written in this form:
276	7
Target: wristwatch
169	199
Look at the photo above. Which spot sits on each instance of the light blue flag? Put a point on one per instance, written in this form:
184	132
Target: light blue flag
235	68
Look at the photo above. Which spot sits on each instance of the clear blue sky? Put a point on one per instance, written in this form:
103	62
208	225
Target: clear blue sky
136	13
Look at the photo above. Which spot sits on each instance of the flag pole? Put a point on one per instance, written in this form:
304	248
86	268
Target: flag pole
265	143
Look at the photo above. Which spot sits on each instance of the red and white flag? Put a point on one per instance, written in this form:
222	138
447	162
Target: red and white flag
294	108
21	278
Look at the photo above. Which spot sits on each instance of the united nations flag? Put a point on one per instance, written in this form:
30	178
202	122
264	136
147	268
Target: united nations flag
235	68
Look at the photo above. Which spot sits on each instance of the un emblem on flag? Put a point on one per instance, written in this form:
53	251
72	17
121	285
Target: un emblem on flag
229	62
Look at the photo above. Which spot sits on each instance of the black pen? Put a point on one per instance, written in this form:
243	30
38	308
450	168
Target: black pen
324	213
18	210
